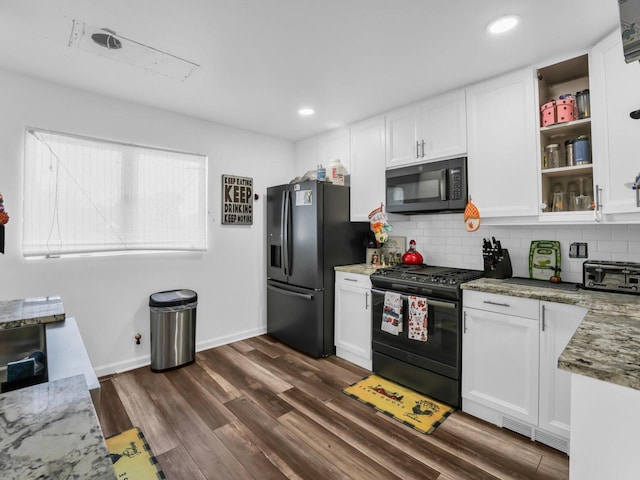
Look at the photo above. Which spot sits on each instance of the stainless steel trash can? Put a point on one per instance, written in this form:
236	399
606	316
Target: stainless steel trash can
173	329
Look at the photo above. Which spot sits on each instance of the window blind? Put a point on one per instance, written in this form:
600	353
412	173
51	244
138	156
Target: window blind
84	195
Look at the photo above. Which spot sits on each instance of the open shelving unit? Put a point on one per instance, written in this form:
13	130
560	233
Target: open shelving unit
570	76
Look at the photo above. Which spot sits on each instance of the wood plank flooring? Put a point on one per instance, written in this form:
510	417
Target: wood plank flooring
257	409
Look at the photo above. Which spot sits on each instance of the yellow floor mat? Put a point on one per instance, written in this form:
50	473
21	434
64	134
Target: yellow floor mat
403	404
131	456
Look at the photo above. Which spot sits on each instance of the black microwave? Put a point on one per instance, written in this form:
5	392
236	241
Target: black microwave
439	186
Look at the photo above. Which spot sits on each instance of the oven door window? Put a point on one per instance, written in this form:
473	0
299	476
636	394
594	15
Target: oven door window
417	188
443	343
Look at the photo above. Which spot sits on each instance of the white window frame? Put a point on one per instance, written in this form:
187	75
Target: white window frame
88	196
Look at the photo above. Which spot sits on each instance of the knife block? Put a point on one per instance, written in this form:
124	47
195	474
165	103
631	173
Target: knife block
498	267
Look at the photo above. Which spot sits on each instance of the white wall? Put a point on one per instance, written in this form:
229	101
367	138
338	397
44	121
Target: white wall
443	240
109	295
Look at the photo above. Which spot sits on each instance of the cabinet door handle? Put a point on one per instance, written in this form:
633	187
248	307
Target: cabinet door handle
543	319
351	279
366	300
422	148
597	211
464	322
497	303
417	149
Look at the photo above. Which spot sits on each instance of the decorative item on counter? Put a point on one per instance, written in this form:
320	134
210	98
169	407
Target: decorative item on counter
544	259
555	278
471	217
380	225
4	219
375	259
392	250
412	256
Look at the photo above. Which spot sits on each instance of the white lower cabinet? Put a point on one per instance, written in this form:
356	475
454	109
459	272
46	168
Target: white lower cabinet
558	324
510	351
500	355
353	318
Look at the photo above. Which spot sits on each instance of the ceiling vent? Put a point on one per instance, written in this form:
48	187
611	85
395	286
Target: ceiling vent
107	43
107	39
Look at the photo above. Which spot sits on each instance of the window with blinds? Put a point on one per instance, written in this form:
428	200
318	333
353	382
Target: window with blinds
84	195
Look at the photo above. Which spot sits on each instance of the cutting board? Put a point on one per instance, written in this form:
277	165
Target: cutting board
544	259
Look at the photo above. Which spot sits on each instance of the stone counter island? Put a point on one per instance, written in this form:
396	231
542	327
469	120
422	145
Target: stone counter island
30	311
51	431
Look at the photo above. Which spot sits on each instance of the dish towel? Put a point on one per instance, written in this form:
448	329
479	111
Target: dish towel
418	309
392	313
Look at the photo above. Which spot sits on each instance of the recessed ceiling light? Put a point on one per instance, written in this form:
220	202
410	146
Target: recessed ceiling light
305	112
503	24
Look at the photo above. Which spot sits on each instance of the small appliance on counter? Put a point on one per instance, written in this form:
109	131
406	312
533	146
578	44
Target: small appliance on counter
544	259
621	277
497	263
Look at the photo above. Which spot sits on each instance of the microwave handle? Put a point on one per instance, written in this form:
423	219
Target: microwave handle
443	184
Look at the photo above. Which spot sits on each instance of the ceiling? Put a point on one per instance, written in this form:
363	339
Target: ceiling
261	60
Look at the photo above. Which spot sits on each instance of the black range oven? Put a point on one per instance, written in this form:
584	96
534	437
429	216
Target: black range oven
432	367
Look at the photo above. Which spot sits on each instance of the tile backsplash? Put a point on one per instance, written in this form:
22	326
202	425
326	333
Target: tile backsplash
443	240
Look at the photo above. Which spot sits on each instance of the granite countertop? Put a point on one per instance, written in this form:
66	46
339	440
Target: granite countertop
359	268
51	430
606	345
30	311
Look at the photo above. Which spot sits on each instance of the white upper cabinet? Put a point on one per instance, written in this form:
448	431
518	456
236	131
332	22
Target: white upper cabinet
502	166
444	126
321	149
615	94
402	132
430	130
367	168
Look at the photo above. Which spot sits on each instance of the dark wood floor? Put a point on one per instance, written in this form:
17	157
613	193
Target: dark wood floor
256	409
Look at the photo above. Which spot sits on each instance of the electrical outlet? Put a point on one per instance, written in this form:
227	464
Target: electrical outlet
578	250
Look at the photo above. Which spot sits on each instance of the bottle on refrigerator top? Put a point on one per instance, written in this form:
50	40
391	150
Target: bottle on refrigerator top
335	172
321	173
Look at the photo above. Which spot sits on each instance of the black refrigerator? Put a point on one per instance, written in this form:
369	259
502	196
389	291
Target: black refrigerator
308	234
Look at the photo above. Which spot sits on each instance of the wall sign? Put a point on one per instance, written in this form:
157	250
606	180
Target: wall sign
237	200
